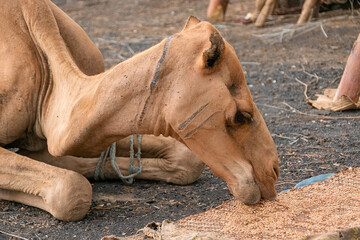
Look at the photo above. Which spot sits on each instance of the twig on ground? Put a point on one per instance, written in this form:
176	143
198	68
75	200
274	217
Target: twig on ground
336	79
288	32
4	221
320	116
280	136
271	106
130	49
13	235
352	7
37	236
351	151
310	74
306	61
293	139
311	147
298	135
103	207
305	90
151	204
308	170
122	57
300	154
323	31
250	63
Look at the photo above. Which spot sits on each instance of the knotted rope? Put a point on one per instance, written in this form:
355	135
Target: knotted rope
111	151
133	170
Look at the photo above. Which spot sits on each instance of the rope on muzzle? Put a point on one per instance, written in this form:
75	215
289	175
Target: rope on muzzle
111	152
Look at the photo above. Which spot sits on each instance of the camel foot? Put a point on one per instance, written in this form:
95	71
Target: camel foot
64	194
216	10
310	9
267	9
350	81
70	198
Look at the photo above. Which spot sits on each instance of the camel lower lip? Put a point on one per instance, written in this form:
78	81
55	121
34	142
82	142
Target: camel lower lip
268	191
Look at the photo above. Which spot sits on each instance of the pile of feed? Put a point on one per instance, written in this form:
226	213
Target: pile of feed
318	208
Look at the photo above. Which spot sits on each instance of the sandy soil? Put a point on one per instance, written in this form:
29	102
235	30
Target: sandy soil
308	145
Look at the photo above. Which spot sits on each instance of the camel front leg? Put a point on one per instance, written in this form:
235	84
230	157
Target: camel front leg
163	159
158	169
64	194
267	9
216	10
259	4
310	7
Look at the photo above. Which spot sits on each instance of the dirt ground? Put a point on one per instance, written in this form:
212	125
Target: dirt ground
308	145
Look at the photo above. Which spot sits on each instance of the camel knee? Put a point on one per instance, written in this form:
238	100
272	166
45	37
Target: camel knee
69	198
183	166
187	175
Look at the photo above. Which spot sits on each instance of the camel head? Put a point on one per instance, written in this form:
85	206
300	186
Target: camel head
211	110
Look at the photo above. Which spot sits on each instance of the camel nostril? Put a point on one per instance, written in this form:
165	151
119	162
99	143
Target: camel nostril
276	171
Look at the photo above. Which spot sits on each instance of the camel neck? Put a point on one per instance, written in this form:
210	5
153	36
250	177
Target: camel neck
82	115
85	114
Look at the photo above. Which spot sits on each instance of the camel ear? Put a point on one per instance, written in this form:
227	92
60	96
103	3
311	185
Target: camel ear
212	55
191	22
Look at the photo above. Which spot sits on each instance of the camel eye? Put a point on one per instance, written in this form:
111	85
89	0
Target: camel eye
276	171
242	118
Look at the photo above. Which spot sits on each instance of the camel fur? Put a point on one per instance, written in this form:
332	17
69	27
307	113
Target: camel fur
62	110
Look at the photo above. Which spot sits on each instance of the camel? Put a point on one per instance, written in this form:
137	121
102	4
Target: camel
263	8
61	109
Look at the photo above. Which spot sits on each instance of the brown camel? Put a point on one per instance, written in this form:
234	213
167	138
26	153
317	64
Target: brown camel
263	8
59	108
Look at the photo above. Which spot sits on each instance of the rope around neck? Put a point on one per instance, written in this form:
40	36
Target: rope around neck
133	170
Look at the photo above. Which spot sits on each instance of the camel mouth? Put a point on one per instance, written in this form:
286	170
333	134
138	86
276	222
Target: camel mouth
268	191
247	192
